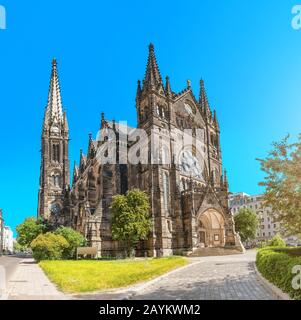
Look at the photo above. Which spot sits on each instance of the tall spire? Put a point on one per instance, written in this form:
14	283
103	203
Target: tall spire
54	110
153	77
203	99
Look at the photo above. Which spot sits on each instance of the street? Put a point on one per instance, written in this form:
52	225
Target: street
10	264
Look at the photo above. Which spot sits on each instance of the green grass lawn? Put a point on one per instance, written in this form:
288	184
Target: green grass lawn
89	275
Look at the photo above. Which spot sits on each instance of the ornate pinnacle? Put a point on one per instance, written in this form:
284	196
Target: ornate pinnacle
226	183
168	87
139	90
103	121
153	77
188	84
203	98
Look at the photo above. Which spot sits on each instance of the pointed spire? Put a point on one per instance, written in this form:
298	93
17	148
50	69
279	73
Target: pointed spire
203	99
153	77
91	148
54	109
139	90
168	87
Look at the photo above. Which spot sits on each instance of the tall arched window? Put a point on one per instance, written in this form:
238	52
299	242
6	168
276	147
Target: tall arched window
166	190
56	152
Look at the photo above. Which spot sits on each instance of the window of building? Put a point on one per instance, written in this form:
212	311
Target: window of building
56	152
166	190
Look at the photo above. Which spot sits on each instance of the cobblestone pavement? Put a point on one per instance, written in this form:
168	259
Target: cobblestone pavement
30	283
214	278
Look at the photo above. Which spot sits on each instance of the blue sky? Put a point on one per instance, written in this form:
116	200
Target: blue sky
245	50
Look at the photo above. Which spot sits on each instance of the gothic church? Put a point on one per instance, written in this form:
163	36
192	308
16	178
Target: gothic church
189	197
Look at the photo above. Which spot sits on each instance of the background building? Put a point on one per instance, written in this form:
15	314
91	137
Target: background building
268	228
8	240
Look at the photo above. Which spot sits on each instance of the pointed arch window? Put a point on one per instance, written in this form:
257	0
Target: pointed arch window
166	190
56	152
161	112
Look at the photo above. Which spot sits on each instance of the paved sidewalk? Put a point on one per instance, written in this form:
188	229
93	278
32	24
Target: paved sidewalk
214	278
30	283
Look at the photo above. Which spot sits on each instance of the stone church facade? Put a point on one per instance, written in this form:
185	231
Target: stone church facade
187	188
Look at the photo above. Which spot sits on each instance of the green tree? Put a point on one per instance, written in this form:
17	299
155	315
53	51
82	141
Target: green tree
49	246
29	230
282	169
246	223
18	248
74	239
131	221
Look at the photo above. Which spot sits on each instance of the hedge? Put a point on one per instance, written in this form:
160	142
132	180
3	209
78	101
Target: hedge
276	265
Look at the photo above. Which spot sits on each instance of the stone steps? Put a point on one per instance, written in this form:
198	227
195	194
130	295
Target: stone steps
212	252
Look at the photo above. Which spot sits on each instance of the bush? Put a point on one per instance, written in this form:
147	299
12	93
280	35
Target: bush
74	239
276	265
276	241
49	246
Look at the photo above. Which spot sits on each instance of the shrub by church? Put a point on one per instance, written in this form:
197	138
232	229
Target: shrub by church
187	189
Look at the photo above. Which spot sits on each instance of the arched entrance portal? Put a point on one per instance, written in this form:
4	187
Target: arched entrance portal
211	229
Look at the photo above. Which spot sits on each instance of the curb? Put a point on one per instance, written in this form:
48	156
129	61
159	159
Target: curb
271	287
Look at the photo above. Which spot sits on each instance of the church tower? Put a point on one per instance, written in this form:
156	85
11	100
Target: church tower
54	171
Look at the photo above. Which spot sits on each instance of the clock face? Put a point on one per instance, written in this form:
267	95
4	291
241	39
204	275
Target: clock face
188	109
55	209
190	165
